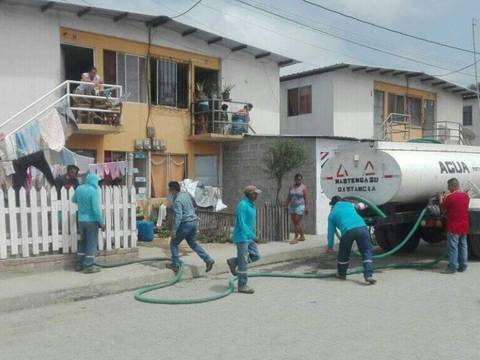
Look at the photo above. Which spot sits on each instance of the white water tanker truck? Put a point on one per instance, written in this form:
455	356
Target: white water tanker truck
401	178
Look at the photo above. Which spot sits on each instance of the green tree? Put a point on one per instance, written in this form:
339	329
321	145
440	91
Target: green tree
282	157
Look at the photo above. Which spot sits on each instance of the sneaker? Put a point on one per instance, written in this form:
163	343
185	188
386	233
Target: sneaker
246	290
91	270
209	265
341	277
78	267
173	267
232	266
370	281
462	269
448	271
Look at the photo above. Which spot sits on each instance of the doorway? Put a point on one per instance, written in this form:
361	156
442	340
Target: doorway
206	79
75	61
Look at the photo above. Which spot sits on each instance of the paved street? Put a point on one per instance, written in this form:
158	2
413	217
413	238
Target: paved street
409	314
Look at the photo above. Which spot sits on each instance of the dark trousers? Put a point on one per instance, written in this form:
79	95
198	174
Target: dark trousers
21	165
361	236
87	246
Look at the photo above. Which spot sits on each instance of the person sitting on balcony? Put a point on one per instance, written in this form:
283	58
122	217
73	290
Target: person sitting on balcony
90	77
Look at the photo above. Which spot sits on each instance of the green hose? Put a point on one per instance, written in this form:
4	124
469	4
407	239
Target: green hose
140	293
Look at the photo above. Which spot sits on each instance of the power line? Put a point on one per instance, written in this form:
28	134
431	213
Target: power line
366	38
187	11
344	38
458	70
416	37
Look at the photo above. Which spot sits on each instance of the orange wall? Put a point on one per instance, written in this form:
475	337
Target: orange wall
171	125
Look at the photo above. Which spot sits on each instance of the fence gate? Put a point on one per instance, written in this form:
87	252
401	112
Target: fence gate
272	222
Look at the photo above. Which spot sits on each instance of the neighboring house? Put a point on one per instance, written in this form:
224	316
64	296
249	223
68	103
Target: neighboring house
371	102
159	64
471	118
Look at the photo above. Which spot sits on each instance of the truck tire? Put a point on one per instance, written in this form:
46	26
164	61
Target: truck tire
388	237
474	245
381	238
433	235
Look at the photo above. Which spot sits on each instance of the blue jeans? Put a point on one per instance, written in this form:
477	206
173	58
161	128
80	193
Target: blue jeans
361	236
187	231
87	246
247	252
457	251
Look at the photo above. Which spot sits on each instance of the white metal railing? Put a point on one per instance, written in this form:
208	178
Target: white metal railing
448	131
63	92
396	123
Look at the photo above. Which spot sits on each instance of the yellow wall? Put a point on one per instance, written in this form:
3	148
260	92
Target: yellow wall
171	124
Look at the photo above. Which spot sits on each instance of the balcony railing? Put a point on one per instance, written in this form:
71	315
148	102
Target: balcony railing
99	113
219	120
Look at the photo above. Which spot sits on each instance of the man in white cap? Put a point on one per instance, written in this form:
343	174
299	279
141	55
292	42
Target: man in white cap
244	237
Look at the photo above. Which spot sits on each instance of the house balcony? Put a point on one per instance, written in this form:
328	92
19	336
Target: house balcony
96	112
218	120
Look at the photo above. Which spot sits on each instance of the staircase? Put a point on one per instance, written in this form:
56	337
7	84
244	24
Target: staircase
94	114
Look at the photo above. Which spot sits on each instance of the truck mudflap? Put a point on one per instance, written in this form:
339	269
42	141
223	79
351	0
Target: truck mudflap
474	234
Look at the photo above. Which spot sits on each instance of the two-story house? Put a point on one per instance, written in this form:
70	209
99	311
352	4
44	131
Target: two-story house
371	103
169	76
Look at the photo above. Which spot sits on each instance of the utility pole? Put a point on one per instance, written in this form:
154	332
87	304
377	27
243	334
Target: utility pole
474	20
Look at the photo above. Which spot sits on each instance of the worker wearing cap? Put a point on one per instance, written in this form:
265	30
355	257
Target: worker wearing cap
69	180
244	237
344	216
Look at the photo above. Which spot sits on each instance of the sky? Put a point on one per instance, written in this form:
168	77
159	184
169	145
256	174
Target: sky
446	21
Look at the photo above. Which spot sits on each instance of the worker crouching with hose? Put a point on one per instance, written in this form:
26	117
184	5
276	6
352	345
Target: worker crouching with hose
344	216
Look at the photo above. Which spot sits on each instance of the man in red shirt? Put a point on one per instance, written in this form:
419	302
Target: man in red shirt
455	207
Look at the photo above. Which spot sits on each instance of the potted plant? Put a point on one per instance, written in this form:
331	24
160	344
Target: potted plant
226	89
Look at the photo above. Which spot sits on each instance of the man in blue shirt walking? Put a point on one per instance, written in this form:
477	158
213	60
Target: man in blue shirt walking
344	217
244	237
184	227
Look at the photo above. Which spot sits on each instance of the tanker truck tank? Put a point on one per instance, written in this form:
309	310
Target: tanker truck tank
402	178
389	172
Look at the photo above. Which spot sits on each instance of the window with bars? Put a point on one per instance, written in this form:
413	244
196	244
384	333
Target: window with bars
300	101
169	83
128	71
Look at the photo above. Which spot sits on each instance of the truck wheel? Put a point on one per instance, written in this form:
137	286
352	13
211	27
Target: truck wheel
388	237
432	235
381	238
401	231
474	245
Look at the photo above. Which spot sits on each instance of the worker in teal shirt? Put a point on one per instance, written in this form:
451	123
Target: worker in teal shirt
344	217
244	237
90	219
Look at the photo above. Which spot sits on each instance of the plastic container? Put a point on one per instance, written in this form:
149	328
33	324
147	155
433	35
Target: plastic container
145	230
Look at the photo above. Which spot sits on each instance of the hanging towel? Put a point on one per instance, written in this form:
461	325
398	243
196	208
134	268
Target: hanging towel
68	157
8	148
51	130
28	140
83	162
162	214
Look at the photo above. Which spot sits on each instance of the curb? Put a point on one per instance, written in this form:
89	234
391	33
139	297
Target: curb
67	295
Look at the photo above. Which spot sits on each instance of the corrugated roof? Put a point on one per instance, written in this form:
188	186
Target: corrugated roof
423	77
151	12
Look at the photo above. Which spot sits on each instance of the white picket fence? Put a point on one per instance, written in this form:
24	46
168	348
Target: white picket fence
41	224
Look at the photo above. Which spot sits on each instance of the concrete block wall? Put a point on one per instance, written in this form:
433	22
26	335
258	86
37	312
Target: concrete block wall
243	164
